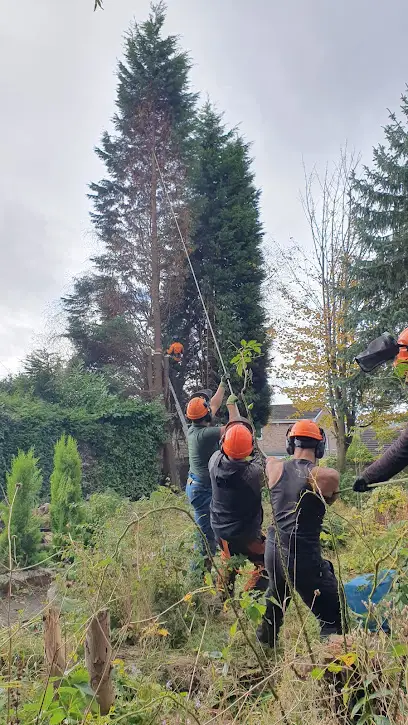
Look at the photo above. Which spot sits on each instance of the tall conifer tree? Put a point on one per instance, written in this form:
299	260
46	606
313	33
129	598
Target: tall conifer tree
227	259
381	210
115	312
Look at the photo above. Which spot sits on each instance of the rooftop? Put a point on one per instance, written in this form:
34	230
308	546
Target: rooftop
287	411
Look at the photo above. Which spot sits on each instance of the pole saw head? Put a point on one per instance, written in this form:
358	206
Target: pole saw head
379	351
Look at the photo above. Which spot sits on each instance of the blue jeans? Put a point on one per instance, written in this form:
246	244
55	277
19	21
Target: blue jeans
199	495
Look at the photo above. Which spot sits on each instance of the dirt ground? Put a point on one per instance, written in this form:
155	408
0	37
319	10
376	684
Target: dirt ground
28	595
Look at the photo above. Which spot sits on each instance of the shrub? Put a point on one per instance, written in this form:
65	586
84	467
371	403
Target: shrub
358	453
100	508
23	487
66	494
388	504
330	461
119	444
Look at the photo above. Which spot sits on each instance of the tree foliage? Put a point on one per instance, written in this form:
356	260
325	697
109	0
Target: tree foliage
315	332
66	493
112	311
23	489
381	211
225	251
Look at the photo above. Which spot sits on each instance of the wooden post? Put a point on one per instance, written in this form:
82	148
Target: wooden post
98	654
54	646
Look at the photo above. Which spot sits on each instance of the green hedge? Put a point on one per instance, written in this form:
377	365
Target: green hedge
119	447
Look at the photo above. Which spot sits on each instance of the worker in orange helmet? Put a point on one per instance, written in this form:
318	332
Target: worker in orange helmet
203	439
299	491
395	458
175	351
236	505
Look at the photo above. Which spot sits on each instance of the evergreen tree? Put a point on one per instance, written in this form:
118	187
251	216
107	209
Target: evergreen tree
66	493
23	488
114	313
227	259
381	210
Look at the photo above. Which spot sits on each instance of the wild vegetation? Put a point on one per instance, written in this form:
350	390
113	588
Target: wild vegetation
180	655
88	434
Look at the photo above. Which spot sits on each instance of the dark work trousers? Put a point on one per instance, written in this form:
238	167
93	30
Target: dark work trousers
313	579
253	549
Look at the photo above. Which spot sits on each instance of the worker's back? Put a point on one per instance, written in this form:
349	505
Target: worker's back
297	508
236	506
202	442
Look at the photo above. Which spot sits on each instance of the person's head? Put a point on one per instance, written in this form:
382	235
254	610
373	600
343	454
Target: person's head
305	439
198	409
401	360
238	440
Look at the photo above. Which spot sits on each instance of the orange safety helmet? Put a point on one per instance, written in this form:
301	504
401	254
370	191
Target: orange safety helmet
403	352
175	348
238	439
198	408
305	429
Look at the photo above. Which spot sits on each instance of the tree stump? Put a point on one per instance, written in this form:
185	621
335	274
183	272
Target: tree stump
54	645
98	654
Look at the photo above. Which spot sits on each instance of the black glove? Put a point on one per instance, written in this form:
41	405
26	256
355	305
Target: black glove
360	485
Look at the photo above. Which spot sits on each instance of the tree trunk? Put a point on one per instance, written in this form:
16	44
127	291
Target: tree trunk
341	444
149	373
54	645
98	654
169	463
158	354
166	373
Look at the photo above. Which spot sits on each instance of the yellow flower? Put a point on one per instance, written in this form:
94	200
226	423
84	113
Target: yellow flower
349	658
162	632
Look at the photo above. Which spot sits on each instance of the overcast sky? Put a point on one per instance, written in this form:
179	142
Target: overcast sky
298	76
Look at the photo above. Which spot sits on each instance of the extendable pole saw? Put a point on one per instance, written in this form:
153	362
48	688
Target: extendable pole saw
381	350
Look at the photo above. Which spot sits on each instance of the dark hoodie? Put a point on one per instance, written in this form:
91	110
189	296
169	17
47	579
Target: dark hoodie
236	505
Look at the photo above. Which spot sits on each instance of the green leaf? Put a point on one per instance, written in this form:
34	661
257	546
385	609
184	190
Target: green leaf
85	689
357	707
49	694
380	720
79	676
274	601
57	717
208	579
254	614
233	629
317	673
243	343
400	650
380	694
334	668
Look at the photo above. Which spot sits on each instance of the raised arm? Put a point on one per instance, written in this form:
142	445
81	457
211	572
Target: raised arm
326	481
217	398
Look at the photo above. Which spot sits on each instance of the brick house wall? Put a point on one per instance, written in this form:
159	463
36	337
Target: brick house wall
273	435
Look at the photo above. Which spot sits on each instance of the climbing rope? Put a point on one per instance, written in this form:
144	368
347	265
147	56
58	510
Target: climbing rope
210	327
